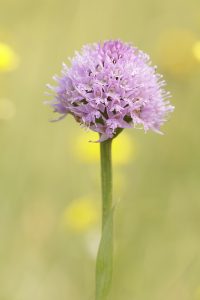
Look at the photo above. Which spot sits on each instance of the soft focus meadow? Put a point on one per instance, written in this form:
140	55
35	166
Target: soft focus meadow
50	182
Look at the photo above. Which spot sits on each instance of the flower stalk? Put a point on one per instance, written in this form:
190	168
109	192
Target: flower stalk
106	178
104	264
110	86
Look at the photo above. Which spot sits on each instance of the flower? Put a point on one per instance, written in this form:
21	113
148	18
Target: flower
112	86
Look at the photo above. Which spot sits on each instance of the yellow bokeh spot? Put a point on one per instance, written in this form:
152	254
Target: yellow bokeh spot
86	151
174	51
196	50
7	109
123	149
8	58
80	215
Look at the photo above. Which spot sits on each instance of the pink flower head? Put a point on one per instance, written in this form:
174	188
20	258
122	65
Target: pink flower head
112	86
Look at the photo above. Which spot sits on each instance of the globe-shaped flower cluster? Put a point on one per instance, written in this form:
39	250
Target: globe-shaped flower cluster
112	86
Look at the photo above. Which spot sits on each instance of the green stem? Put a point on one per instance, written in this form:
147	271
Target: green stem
106	179
105	253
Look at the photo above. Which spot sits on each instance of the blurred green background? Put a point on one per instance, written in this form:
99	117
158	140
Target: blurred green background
49	173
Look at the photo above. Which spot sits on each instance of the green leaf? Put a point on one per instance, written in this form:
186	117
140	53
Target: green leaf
104	264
